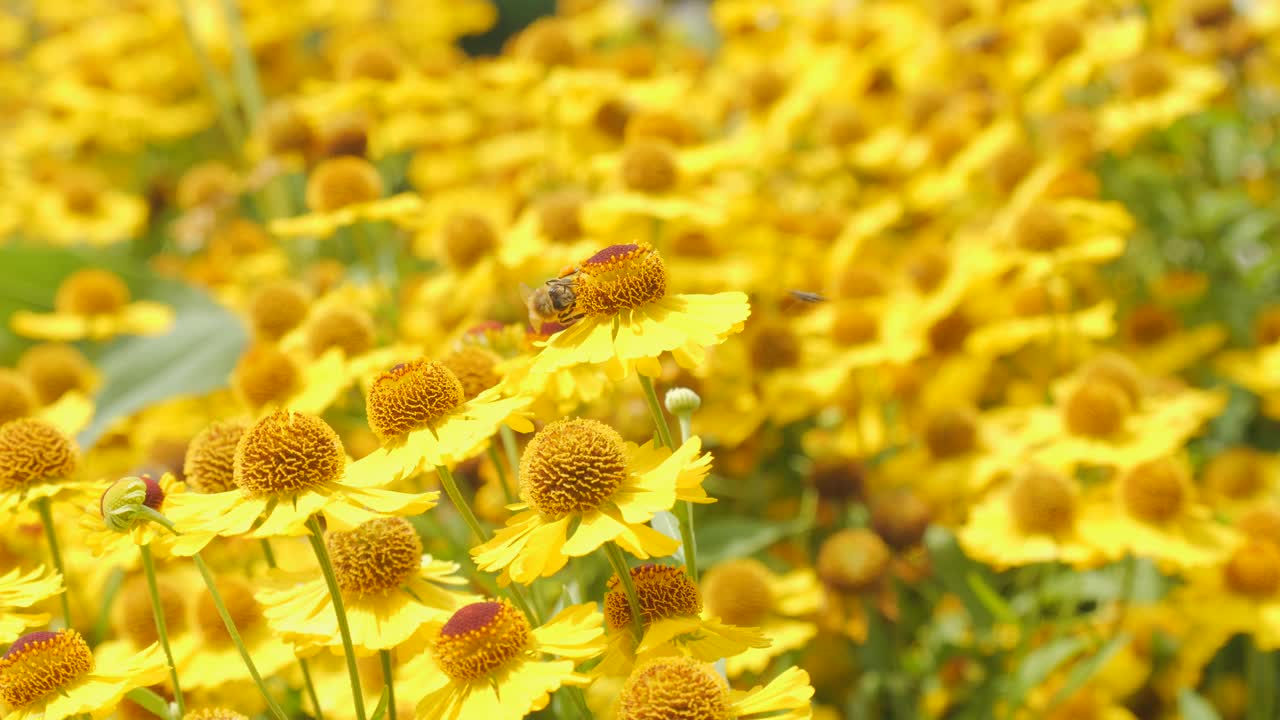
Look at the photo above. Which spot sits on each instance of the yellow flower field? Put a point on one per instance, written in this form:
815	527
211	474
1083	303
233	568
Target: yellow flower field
640	360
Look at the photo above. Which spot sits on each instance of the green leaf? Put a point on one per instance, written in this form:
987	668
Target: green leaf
150	702
1191	706
1083	672
952	568
735	536
1040	663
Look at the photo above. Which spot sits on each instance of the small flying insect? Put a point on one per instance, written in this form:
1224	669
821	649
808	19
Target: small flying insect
554	302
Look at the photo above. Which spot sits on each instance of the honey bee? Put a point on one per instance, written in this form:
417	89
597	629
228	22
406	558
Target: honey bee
554	302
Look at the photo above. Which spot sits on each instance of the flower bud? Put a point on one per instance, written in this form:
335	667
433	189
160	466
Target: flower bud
122	504
682	401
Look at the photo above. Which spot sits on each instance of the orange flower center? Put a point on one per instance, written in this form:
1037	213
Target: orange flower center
663	591
91	292
854	325
1155	491
33	451
1061	39
572	466
1261	523
286	453
54	369
674	688
1254	569
560	215
1149	324
286	131
1148	76
900	517
135	619
17	396
342	181
349	329
209	466
1042	501
838	480
1009	168
265	375
649	166
1236	473
475	367
468	238
411	396
763	88
1041	229
739	592
1266	326
1096	408
949	333
951	432
852	561
774	347
41	663
278	308
547	42
620	277
480	638
378	556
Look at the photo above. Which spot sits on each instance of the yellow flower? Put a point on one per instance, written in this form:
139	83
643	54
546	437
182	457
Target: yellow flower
19	590
486	662
390	590
1156	341
628	320
342	191
1061	45
288	466
37	461
681	688
745	593
421	413
80	207
1035	518
93	304
266	378
1241	594
1156	89
581	473
51	676
1152	512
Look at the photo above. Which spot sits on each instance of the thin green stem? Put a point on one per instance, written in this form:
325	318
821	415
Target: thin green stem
225	106
688	539
579	702
303	665
339	608
230	624
46	518
243	66
157	612
655	409
620	568
498	465
385	657
513	456
469	517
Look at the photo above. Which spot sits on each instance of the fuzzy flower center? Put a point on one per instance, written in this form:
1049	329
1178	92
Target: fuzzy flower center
739	592
411	396
1096	408
54	369
852	561
1119	371
1150	324
475	367
17	396
468	237
91	292
237	598
572	466
1155	491
774	347
1235	474
277	308
286	453
951	432
349	329
480	638
341	182
1042	501
377	556
33	451
209	466
1254	569
135	620
1261	523
838	480
620	277
285	130
41	663
949	333
649	166
663	590
560	215
265	376
901	517
674	688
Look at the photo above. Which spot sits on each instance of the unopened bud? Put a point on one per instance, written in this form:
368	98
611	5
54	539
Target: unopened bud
128	501
682	401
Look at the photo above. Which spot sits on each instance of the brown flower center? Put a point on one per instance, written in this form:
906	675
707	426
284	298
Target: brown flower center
852	561
1042	501
468	237
559	215
277	308
1236	473
838	480
342	181
1011	166
41	663
54	369
237	598
572	466
210	462
649	166
663	591
854	325
1148	75
135	619
1150	324
1261	523
17	396
674	688
620	277
266	376
739	592
1041	229
948	334
475	367
951	432
91	291
1254	569
774	347
1096	408
349	329
1060	39
377	556
411	396
900	517
34	451
207	184
286	453
1156	490
480	638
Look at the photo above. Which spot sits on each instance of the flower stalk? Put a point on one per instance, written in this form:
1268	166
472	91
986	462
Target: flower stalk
339	608
162	630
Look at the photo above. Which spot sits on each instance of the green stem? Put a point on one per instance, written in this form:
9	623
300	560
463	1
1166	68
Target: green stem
579	702
385	657
339	608
157	612
688	539
655	409
507	491
235	637
620	568
243	66
469	517
213	82
46	518
305	667
513	457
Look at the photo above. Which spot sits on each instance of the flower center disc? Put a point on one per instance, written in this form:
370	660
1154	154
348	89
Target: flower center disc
674	688
1042	501
951	432
378	556
348	329
854	326
739	592
475	367
342	181
572	466
1261	523
54	369
1096	408
17	396
560	215
649	166
852	560
237	597
1254	569
620	277
1235	474
41	663
91	292
663	590
286	453
774	347
265	375
32	451
411	396
210	463
278	308
1155	491
468	237
480	638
